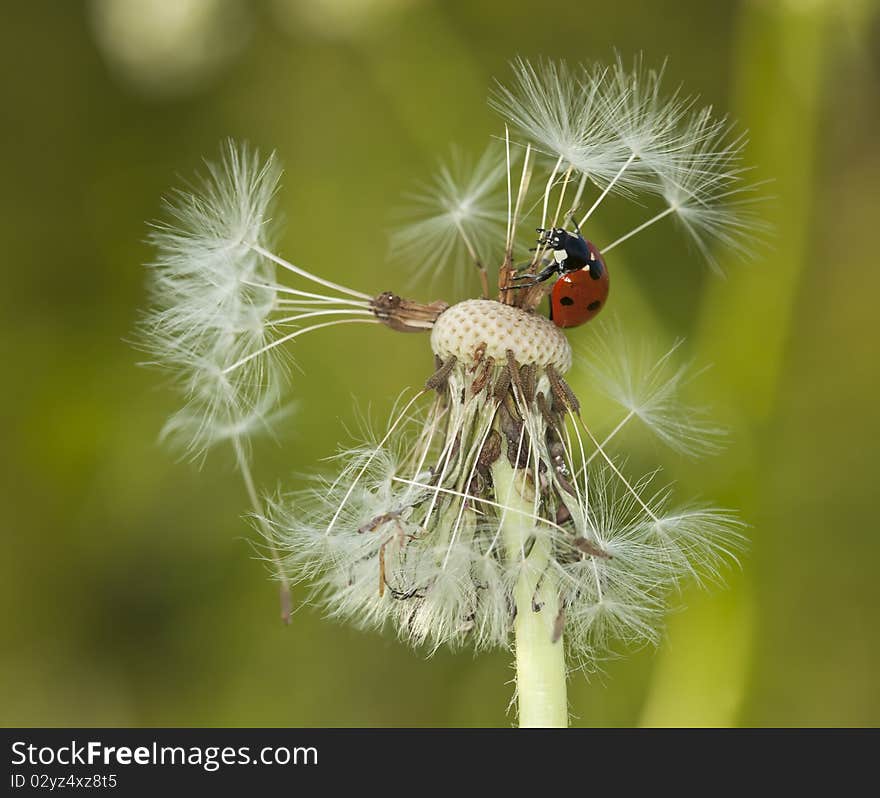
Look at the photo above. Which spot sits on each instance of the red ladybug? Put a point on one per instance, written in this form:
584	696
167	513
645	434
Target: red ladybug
578	296
582	287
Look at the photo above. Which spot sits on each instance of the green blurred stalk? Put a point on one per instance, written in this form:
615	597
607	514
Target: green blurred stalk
782	46
745	325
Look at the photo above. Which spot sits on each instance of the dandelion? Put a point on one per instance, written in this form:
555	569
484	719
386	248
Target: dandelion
493	510
459	219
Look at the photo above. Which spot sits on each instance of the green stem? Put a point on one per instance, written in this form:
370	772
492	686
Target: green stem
702	678
540	659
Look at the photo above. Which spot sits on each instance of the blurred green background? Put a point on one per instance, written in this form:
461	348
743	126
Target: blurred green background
130	592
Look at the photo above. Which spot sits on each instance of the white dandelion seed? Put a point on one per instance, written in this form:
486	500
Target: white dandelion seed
456	220
709	192
210	305
706	189
647	384
561	112
648	121
219	316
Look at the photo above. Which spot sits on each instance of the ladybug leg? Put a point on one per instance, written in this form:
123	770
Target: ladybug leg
545	274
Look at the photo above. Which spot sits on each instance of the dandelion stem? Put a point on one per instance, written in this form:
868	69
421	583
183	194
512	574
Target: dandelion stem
540	654
308	275
508	242
484	275
582	184
291	336
308	314
284	585
608	188
608	438
548	190
565	181
283	289
626	483
642	226
541	248
522	190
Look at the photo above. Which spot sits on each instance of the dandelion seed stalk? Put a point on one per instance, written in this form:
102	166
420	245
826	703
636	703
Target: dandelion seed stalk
284	597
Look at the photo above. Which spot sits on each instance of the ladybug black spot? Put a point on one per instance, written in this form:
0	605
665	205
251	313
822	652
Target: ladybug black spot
566	300
594	305
596	270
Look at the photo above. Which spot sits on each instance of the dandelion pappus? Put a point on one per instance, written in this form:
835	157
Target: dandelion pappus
582	288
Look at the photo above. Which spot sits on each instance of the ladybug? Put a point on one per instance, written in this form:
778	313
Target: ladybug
578	296
582	288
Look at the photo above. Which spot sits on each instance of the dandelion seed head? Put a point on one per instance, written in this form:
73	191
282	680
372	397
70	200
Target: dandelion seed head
707	187
562	112
648	383
218	313
647	120
454	220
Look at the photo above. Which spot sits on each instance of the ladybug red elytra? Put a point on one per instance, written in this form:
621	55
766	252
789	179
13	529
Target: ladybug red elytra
582	288
578	296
